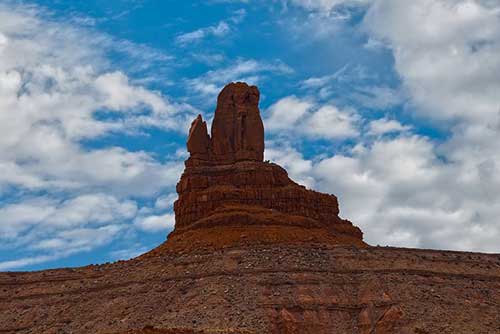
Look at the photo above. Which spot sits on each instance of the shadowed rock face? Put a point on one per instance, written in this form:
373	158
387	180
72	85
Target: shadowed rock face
226	186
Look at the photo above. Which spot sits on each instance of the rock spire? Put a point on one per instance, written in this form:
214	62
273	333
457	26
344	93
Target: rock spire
229	195
237	130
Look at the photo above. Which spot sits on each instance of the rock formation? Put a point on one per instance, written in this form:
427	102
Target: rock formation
237	130
255	253
226	184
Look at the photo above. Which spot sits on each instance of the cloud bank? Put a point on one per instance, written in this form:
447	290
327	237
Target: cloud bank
58	92
402	187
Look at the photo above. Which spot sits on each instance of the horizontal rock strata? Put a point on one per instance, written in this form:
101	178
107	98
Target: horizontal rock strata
227	169
271	289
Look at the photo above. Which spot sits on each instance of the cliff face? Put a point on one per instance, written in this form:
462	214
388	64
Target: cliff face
229	191
255	253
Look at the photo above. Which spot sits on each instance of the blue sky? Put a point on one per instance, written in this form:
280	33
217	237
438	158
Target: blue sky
391	106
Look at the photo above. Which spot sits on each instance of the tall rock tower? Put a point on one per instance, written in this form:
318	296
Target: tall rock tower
229	195
237	130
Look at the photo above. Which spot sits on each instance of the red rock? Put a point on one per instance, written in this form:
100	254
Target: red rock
227	170
237	129
198	143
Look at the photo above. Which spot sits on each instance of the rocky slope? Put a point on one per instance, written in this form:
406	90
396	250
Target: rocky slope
254	252
263	289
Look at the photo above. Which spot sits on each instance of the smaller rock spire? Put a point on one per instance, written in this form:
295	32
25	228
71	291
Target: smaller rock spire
198	143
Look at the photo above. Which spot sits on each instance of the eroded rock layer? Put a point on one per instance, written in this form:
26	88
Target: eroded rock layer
226	184
262	289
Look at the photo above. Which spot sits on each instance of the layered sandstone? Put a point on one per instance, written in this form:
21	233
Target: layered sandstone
228	187
262	289
255	253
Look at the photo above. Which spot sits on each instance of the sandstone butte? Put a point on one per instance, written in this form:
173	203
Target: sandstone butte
254	252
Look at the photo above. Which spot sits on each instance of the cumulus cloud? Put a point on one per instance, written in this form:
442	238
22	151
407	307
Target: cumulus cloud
156	223
445	52
286	112
383	126
292	115
408	189
45	213
58	92
401	193
297	167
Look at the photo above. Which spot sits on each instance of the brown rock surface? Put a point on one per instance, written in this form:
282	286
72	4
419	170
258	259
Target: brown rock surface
254	252
227	190
237	129
287	288
198	143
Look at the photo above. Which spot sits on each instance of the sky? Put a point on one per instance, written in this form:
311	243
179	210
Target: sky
391	105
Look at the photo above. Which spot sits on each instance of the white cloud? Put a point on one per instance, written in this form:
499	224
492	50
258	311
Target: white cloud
219	30
377	97
67	243
354	85
250	71
317	82
50	92
118	94
156	223
401	194
383	126
43	216
446	53
297	167
330	122
165	201
407	189
80	239
128	253
57	91
291	115
28	261
327	5
242	69
285	113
